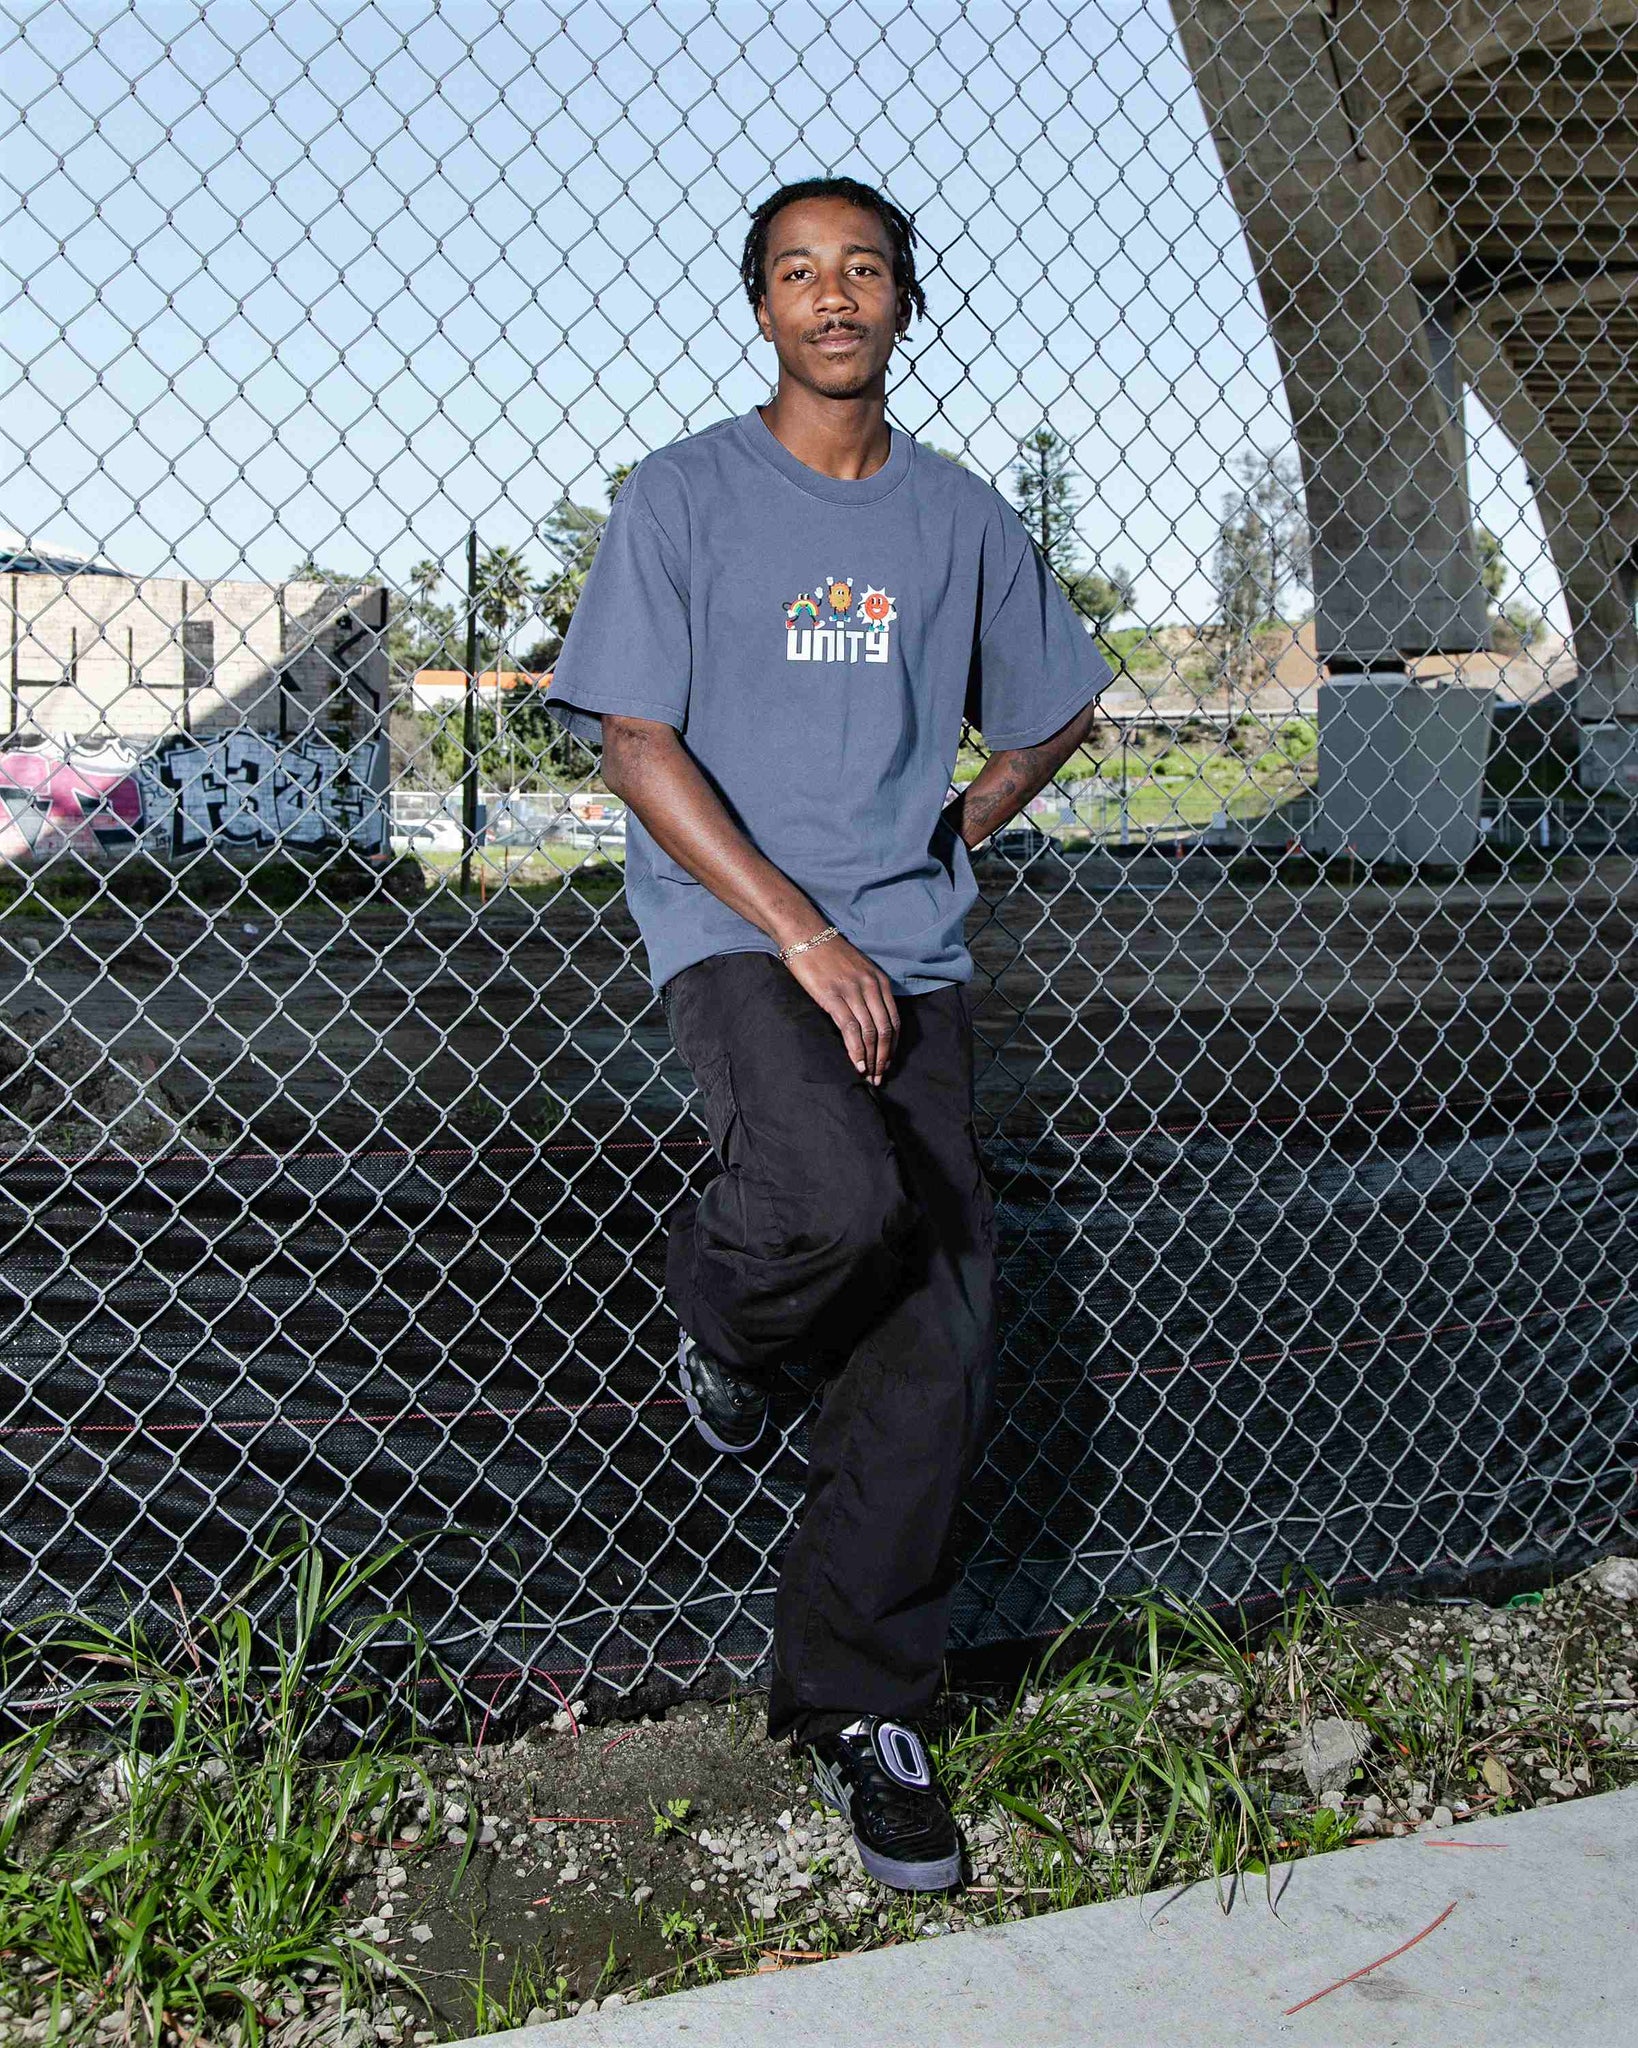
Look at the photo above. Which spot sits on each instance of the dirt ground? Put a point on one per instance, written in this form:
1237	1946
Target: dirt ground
1186	992
557	1883
581	1866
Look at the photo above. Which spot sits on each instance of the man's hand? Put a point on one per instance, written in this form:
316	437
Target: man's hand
646	763
857	997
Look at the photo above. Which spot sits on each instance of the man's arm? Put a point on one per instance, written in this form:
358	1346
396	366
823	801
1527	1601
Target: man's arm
1008	780
647	766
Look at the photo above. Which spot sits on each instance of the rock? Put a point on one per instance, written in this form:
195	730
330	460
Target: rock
1443	1817
536	2016
61	1083
1497	1778
1329	1750
1616	1578
421	1932
642	1895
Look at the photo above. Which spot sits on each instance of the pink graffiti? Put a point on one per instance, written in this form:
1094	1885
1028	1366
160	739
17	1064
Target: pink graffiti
49	803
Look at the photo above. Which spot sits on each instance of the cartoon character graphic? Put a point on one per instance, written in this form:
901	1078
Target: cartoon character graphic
824	625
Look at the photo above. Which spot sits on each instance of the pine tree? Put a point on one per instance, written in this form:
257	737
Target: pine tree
1047	502
1043	484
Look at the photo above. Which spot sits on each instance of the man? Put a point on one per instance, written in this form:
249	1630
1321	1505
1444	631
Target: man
786	620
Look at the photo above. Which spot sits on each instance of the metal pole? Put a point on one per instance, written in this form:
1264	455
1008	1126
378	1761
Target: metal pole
469	728
14	724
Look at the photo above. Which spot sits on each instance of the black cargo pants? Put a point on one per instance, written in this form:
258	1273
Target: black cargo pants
848	1228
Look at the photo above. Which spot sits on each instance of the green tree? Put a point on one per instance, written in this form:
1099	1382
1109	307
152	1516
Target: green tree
1515	626
1262	554
503	595
572	532
1102	598
430	632
424	579
1043	483
519	747
1492	562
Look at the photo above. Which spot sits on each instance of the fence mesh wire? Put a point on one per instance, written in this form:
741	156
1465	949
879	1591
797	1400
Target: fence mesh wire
338	1122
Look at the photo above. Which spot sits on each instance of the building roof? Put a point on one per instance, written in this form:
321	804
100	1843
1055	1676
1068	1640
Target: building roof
455	679
20	557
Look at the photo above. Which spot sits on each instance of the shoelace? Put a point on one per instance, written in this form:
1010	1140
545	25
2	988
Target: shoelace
740	1394
887	1808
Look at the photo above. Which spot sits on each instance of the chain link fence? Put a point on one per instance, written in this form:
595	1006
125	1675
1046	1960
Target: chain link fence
338	1123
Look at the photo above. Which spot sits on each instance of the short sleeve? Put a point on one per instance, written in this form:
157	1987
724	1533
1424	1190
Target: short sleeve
1035	665
627	648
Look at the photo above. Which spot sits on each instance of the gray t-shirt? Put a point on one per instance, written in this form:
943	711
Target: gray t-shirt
816	642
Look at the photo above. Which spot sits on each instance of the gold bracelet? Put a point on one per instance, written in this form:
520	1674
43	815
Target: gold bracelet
788	953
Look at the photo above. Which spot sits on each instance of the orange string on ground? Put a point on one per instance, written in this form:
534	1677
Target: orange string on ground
1354	1975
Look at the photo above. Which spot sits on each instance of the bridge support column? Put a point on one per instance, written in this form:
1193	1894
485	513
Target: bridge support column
1367	357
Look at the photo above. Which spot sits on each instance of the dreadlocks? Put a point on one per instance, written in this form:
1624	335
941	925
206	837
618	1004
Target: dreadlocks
901	234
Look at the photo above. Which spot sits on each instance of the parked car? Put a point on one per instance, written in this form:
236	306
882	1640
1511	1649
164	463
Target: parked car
1017	845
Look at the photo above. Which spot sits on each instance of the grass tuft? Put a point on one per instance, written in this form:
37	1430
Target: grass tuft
181	1880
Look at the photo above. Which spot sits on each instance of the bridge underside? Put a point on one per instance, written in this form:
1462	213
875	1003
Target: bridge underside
1441	194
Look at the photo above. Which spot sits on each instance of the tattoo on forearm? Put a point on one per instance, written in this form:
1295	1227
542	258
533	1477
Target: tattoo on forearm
1006	783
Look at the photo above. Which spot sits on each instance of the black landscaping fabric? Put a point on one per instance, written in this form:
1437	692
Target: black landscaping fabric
1396	1361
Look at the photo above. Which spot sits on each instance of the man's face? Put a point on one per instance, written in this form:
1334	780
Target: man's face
830	306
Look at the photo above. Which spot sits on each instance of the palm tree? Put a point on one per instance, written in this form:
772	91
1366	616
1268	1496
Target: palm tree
504	587
504	598
424	579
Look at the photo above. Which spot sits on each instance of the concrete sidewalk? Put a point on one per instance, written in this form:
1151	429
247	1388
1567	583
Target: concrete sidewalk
1539	1951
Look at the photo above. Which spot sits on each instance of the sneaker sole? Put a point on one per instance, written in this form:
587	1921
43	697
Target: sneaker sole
937	1874
696	1416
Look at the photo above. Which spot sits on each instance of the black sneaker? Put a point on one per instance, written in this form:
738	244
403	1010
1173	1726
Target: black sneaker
877	1775
729	1412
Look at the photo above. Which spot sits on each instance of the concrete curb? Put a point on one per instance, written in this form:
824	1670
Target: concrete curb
1539	1951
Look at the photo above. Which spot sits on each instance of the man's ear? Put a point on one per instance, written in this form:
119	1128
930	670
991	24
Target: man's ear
903	327
762	320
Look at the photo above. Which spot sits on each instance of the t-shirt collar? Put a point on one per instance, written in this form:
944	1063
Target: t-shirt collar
839	490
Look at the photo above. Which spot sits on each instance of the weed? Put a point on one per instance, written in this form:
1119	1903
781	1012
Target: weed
208	1876
672	1819
1110	1758
609	1973
533	1986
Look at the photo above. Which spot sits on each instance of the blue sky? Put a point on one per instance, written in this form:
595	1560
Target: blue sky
348	279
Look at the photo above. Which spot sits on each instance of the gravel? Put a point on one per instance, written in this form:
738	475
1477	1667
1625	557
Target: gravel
751	1844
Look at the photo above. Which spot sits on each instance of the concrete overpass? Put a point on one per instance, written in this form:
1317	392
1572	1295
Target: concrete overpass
1439	194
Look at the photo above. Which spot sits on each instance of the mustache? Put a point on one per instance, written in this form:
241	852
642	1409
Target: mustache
835	327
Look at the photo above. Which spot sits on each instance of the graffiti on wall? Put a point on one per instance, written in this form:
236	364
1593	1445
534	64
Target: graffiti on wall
51	801
240	789
233	790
